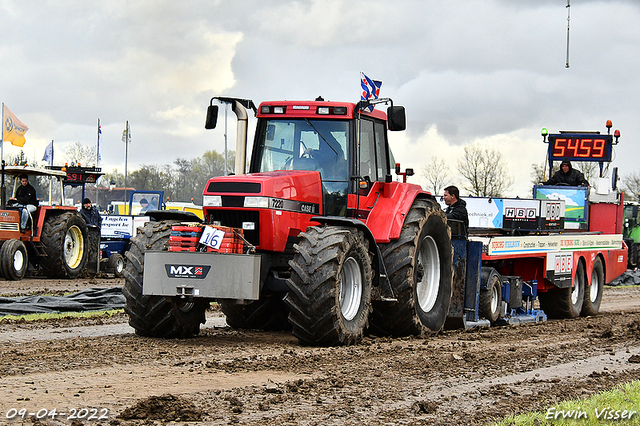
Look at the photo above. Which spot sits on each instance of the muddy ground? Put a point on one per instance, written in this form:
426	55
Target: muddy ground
227	376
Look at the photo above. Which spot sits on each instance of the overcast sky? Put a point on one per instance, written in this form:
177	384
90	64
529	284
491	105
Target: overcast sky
488	71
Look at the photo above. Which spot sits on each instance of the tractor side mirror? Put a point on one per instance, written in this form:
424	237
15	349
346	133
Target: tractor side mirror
212	117
396	117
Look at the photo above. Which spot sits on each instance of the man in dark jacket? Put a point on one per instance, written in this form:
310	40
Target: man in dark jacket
457	208
567	175
25	198
90	214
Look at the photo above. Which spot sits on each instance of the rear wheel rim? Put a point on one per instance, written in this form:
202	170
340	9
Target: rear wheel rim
350	289
428	273
73	247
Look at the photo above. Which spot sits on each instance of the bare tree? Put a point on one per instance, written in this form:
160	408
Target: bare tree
78	154
436	172
631	186
485	171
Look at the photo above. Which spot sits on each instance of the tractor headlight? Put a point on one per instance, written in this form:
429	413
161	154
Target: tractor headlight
256	202
212	200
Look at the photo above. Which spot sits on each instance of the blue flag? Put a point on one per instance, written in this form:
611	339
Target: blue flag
370	89
48	154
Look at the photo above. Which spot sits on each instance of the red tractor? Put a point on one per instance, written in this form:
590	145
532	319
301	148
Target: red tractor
54	239
319	236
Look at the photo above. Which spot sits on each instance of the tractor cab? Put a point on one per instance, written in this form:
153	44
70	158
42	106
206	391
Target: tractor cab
344	143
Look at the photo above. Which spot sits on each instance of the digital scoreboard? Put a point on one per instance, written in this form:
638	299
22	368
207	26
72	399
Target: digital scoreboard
580	147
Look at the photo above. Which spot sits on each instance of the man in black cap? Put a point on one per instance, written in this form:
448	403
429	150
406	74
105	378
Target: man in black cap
90	214
567	175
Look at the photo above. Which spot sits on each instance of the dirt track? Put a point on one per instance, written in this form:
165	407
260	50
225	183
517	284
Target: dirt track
227	376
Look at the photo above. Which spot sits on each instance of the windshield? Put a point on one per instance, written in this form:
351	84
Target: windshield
303	144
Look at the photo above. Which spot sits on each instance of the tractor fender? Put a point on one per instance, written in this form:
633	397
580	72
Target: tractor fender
387	216
380	278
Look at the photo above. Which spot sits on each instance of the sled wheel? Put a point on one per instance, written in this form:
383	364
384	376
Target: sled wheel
116	263
593	293
491	296
565	302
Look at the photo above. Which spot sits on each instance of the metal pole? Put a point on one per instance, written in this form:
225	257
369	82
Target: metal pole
126	155
225	139
568	22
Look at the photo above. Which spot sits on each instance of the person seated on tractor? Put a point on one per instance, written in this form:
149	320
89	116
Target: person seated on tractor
90	214
144	203
567	175
25	199
329	155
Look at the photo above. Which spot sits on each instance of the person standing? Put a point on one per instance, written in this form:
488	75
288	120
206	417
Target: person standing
90	214
25	198
456	208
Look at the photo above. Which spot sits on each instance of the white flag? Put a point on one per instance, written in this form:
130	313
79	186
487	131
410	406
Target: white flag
48	154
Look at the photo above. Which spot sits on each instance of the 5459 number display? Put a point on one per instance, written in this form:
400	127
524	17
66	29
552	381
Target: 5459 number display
580	147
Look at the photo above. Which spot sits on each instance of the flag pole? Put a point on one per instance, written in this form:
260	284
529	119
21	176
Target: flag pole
3	191
98	160
51	180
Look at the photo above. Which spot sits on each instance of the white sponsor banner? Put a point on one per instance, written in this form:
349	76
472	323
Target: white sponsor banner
121	226
494	246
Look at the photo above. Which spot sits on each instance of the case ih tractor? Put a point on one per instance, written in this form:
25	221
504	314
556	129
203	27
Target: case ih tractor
317	237
55	238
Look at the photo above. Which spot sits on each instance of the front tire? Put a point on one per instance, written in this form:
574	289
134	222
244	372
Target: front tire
330	286
14	260
593	293
65	240
420	269
157	316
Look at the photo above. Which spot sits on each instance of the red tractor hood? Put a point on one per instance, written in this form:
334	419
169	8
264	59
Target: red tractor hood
302	186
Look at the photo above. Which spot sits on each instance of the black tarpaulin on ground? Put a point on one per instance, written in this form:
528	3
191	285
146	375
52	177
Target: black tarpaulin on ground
91	299
631	277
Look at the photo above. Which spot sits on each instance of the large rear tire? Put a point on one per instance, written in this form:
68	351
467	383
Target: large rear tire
65	240
420	268
157	316
268	313
491	296
565	302
593	292
330	286
14	260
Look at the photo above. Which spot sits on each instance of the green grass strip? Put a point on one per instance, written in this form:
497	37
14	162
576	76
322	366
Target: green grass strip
60	315
619	406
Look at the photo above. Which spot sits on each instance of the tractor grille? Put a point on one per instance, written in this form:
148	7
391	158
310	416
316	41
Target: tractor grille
234	219
9	226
